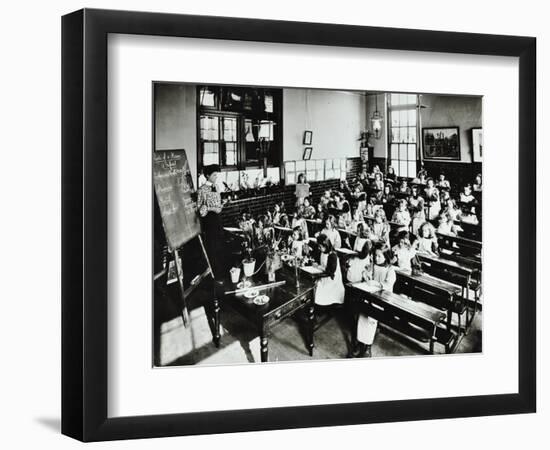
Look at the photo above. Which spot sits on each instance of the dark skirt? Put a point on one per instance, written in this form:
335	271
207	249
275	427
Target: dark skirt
212	231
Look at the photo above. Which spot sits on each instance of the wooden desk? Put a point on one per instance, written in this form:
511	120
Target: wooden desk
433	291
392	223
415	319
284	301
460	244
471	231
454	272
472	262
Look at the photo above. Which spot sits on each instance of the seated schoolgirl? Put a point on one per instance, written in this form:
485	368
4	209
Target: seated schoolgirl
284	221
404	188
432	197
403	252
390	175
309	210
329	289
443	183
452	210
378	182
446	225
359	267
246	223
444	196
382	276
331	232
427	240
362	236
416	208
477	185
380	231
466	195
259	229
401	215
297	243
360	211
343	207
387	199
275	214
299	221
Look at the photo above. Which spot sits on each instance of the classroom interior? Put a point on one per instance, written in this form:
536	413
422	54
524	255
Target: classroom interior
396	176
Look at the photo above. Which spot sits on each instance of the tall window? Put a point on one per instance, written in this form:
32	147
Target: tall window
238	126
402	110
218	140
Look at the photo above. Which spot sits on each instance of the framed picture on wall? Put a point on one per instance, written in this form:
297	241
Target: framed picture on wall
441	143
113	389
477	144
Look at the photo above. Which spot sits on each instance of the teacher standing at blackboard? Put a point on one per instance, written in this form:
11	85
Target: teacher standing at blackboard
209	203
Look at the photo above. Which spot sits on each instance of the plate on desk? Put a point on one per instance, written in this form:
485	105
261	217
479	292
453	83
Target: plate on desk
253	293
261	300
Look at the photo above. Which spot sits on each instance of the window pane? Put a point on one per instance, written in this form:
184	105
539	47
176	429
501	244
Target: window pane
403	134
403	168
411	99
209	128
210	147
394	118
231	154
210	158
394	151
412	117
394	99
403	152
268	101
229	129
403	117
403	99
394	135
412	152
412	134
207	97
412	168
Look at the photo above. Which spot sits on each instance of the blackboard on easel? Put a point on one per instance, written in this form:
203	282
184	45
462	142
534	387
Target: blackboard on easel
175	198
174	192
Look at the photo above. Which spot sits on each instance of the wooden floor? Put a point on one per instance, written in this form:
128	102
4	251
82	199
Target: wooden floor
179	345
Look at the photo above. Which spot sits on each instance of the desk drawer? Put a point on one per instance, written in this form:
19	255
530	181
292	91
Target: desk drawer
287	309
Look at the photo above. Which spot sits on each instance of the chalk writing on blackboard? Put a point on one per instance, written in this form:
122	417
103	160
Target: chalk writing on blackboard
174	189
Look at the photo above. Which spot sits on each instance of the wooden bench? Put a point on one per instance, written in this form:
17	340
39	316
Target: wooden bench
461	245
418	321
465	276
433	291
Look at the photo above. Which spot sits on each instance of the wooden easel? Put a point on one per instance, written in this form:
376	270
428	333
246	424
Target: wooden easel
195	282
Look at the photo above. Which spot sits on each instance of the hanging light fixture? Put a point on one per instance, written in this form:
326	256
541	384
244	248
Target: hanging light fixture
376	121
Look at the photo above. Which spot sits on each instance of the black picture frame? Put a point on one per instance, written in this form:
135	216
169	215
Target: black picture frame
433	149
307	153
84	224
308	137
477	156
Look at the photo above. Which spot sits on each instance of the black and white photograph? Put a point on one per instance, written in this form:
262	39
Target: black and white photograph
370	247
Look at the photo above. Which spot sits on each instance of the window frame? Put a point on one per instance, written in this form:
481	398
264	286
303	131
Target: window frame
275	159
395	163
